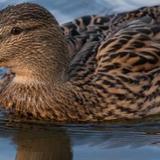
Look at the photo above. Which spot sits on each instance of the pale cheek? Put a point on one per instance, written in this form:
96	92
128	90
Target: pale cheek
27	80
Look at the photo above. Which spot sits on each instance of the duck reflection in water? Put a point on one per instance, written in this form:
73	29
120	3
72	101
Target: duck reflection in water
60	143
33	146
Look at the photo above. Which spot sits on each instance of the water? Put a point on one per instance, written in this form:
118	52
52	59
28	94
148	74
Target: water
80	142
140	141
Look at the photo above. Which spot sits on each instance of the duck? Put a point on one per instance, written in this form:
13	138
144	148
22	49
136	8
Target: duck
93	69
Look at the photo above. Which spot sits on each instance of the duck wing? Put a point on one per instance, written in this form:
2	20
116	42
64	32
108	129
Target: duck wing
84	30
123	70
131	46
93	28
134	46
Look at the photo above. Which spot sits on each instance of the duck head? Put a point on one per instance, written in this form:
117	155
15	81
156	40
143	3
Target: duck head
34	49
32	45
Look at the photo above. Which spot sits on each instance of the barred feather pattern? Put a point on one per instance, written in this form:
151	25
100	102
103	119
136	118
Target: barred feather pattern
114	72
123	69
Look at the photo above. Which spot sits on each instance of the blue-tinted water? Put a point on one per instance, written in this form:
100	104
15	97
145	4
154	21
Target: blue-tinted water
140	141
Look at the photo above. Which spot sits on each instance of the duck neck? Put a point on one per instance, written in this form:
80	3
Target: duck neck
56	101
43	95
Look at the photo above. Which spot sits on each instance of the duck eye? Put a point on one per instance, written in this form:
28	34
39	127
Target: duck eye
16	30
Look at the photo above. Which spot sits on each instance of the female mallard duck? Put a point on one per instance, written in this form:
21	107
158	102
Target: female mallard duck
104	68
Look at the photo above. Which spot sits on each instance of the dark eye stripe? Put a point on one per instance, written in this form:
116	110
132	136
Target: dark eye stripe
32	28
18	30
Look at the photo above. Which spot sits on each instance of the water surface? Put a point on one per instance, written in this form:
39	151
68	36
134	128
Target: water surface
80	142
140	141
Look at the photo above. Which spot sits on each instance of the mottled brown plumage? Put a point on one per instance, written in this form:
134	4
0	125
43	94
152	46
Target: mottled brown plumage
92	69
